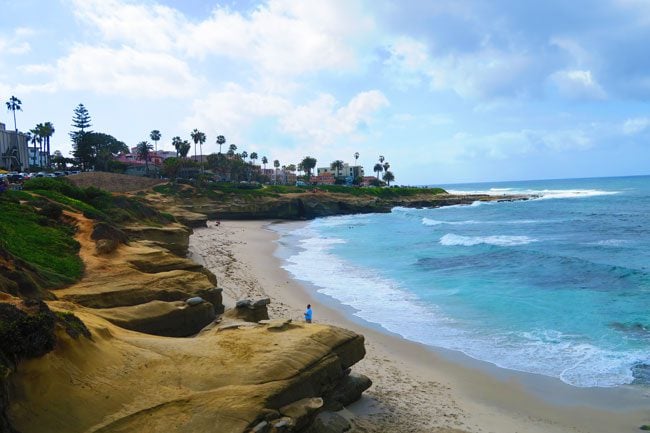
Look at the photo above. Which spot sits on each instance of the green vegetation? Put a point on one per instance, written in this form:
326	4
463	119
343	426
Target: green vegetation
214	190
72	324
25	335
45	244
95	203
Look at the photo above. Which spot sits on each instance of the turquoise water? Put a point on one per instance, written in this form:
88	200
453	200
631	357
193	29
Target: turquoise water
558	286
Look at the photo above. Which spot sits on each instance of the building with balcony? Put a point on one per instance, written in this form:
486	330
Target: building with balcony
348	170
14	153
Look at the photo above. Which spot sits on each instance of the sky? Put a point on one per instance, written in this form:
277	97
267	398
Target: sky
447	90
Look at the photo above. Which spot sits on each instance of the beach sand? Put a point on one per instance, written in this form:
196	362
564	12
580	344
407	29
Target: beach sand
415	388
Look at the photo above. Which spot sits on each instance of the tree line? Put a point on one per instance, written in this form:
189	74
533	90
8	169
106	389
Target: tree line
98	151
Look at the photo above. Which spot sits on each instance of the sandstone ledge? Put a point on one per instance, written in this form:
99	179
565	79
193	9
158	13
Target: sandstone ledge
124	381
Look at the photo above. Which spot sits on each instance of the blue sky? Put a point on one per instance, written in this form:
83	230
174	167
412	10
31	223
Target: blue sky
448	91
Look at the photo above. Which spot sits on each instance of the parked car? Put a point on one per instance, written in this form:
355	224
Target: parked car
15	177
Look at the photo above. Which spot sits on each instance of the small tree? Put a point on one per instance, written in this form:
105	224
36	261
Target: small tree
388	177
155	136
338	166
276	164
220	141
308	164
177	143
265	161
378	169
199	138
143	152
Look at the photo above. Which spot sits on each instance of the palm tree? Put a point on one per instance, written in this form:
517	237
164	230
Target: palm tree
199	138
220	141
155	136
177	142
386	166
378	169
143	151
185	147
381	159
253	157
389	177
36	138
232	149
308	163
338	166
14	104
47	130
265	161
244	155
276	164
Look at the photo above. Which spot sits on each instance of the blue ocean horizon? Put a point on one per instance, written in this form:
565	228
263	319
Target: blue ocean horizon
558	285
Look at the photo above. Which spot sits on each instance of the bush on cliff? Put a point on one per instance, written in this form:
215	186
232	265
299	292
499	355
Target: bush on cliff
26	335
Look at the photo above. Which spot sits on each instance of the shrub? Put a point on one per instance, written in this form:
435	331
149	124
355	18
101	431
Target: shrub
51	211
73	325
26	335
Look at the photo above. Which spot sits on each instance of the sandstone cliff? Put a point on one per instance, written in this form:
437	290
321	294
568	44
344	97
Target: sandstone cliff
128	375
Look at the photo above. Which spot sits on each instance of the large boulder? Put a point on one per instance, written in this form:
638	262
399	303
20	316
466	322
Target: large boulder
250	310
347	391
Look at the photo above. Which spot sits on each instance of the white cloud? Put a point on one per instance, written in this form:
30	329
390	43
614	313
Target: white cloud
124	71
635	125
279	37
321	121
484	73
233	109
16	43
508	144
577	84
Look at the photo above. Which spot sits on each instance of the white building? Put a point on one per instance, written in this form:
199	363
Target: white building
14	154
348	170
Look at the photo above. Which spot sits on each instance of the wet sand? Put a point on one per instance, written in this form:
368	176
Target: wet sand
415	388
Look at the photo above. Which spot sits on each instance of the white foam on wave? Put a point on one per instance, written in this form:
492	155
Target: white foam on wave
375	297
611	243
539	193
432	222
381	300
572	193
451	239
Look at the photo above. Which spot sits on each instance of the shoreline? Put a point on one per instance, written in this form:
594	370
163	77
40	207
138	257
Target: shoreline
416	388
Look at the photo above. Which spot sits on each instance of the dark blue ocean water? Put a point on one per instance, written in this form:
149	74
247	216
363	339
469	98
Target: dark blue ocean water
559	285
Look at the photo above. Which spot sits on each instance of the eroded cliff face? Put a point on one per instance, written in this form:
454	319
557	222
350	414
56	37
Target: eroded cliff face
129	375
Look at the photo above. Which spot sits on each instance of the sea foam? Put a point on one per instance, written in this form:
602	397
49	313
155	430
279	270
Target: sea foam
451	239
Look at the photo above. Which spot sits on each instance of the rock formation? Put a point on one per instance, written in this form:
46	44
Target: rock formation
245	374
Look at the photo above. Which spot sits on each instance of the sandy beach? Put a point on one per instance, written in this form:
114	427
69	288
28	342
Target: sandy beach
415	388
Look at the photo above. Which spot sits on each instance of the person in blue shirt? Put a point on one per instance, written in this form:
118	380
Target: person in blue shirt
308	314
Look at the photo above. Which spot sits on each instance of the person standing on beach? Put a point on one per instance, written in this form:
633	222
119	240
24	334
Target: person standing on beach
308	314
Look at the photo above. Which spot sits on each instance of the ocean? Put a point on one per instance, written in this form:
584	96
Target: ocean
558	285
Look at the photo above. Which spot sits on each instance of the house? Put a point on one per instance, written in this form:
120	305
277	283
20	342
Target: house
14	153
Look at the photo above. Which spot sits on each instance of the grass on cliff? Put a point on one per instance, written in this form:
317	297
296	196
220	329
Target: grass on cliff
216	190
96	203
46	244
